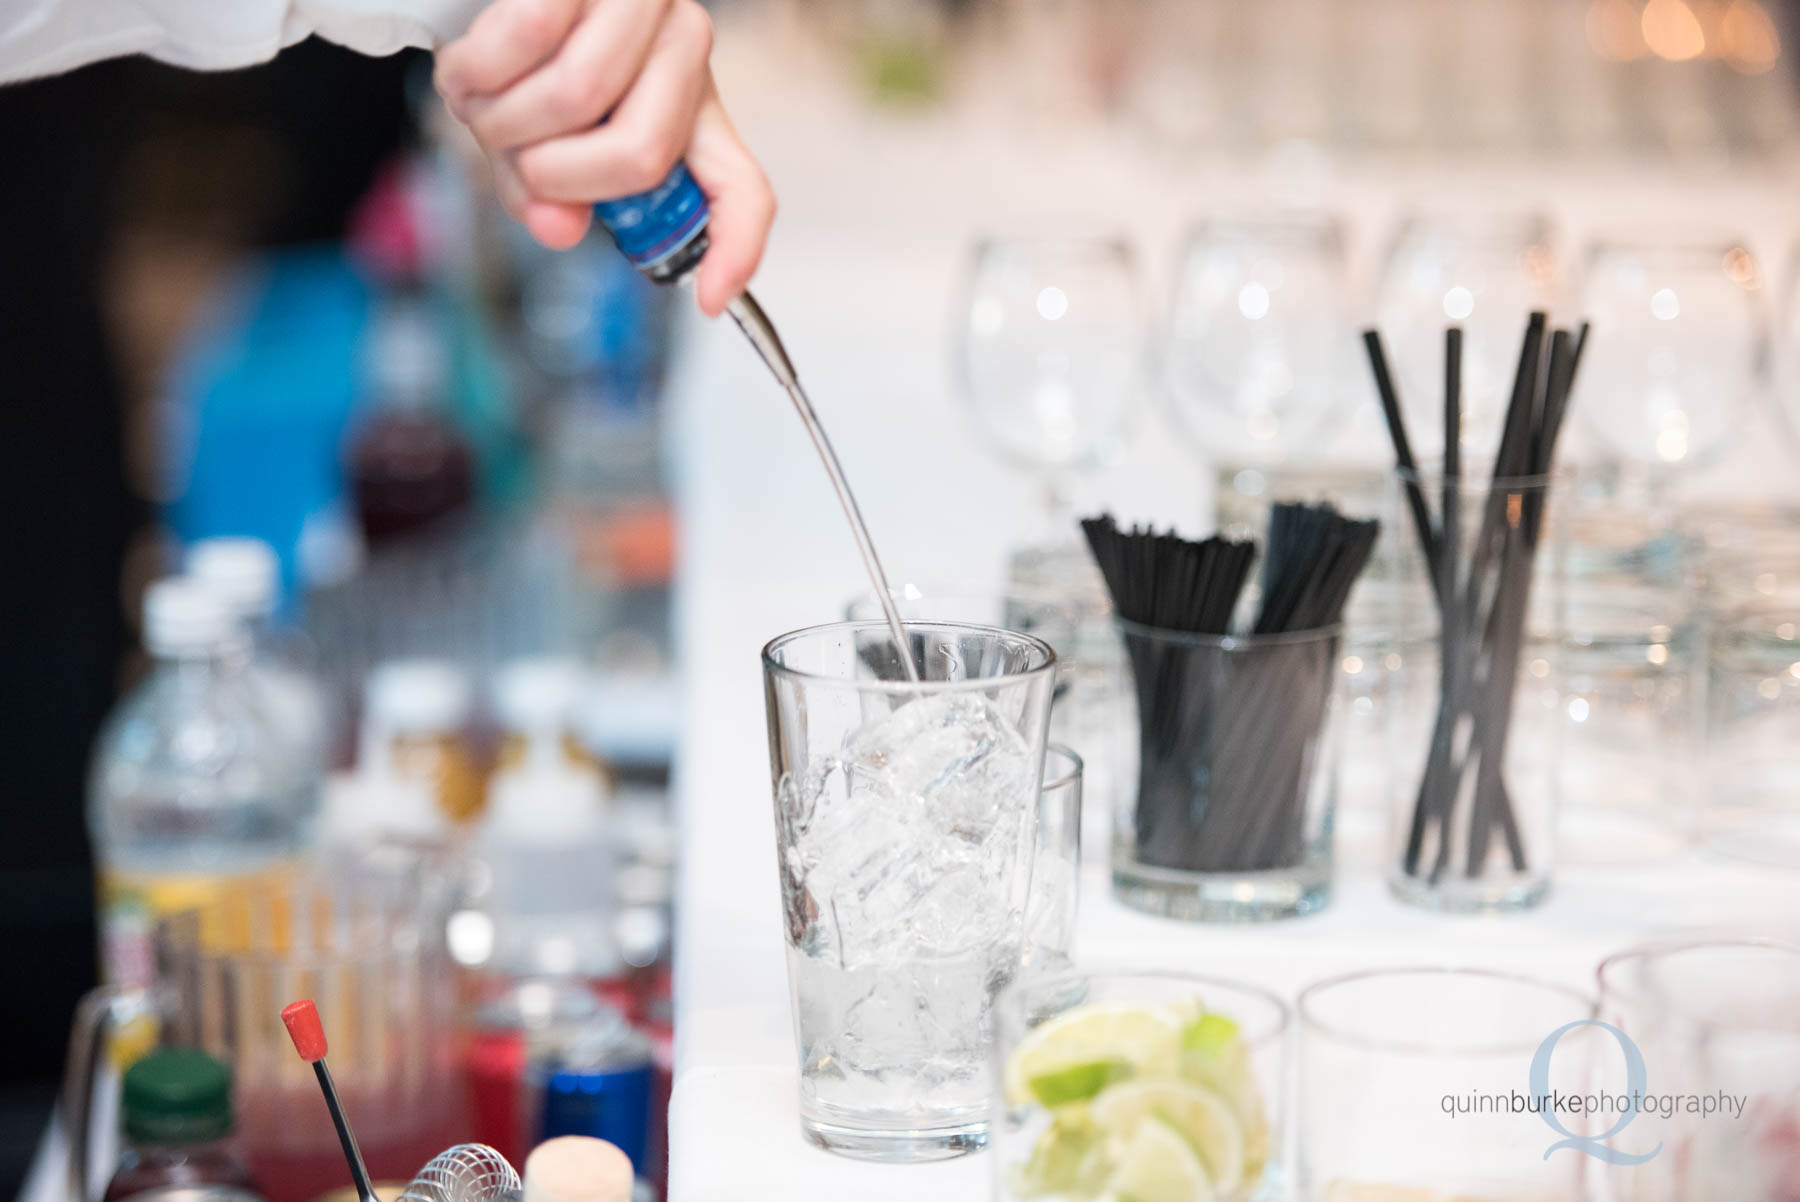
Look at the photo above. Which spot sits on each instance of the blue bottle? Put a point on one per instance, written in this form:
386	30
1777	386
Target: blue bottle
663	231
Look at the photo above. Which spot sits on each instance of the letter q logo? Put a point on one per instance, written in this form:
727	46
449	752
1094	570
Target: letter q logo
1635	1080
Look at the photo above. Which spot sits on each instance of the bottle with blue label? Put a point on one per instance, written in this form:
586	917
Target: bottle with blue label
662	231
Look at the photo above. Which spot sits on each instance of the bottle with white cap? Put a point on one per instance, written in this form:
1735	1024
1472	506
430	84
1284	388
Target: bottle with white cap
416	715
246	575
192	792
544	837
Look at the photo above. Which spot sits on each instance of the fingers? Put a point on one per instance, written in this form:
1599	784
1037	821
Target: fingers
647	133
579	86
507	39
557	226
743	206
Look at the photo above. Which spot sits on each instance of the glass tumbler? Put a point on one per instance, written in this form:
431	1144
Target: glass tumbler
1236	774
1125	1083
1753	737
1628	716
1417	1085
1083	713
1473	824
1056	865
905	816
1716	1020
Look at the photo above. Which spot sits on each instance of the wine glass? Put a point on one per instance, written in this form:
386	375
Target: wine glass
1679	348
1483	272
1049	353
1259	343
1787	347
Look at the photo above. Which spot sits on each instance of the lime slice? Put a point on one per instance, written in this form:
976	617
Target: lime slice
1213	1056
1069	1047
1204	1120
1069	1159
1077	1082
1158	1165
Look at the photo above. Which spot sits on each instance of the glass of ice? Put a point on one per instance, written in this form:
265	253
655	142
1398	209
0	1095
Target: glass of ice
905	816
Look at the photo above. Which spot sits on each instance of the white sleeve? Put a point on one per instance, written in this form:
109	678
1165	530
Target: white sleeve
44	37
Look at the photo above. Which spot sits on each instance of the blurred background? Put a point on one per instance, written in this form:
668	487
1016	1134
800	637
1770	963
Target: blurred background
282	304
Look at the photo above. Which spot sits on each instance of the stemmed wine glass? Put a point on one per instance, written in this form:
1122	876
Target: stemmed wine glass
1787	346
1050	352
1483	272
1679	349
1258	342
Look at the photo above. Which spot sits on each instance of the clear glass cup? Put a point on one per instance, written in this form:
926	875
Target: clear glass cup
905	816
1259	342
1084	712
1146	1083
1629	715
1236	775
1373	655
1753	737
1049	350
1472	823
1484	272
364	936
1678	353
1394	1065
1716	1019
1056	867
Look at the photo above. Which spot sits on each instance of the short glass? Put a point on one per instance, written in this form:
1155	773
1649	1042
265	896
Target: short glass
1628	716
1472	823
1056	868
1715	1019
1753	737
1407	1081
1084	715
905	817
1373	655
1123	1083
1236	774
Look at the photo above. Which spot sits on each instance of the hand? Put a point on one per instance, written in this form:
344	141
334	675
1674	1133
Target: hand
534	78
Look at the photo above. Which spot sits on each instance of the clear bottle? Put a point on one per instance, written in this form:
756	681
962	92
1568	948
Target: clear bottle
416	715
192	791
175	1112
544	838
246	575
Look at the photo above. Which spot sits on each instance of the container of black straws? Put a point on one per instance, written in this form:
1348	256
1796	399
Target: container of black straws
1473	823
1231	816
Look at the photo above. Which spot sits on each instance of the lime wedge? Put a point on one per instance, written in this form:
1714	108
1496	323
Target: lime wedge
1210	1035
1204	1120
1127	1038
1076	1082
1068	1159
1158	1165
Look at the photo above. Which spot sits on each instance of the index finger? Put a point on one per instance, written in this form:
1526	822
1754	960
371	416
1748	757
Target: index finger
508	39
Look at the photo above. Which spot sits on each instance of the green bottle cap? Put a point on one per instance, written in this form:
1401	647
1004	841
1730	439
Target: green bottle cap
177	1096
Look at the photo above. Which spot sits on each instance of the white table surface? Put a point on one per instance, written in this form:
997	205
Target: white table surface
859	278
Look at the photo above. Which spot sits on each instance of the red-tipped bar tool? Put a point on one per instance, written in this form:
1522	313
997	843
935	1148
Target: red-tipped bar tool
308	1033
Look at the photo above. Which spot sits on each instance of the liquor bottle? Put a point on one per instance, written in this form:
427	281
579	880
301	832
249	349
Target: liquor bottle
175	1108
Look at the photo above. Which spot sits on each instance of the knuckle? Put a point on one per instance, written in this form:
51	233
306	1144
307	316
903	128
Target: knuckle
643	162
538	22
537	172
574	95
696	25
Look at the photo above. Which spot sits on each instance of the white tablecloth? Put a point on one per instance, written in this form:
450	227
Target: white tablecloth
860	279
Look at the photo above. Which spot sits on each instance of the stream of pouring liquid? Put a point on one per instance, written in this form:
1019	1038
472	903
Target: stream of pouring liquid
761	332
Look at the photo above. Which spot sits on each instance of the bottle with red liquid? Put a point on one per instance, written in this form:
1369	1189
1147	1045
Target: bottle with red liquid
178	1127
409	465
